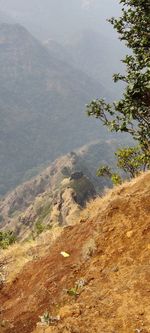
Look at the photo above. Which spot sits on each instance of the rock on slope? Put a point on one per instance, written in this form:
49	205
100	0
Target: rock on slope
109	253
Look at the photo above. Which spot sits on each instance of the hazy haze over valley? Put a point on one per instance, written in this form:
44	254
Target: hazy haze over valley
60	19
55	56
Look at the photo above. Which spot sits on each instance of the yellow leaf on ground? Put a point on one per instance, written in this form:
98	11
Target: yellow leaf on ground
65	254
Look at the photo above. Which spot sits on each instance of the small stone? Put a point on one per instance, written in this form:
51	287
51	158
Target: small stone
129	233
115	269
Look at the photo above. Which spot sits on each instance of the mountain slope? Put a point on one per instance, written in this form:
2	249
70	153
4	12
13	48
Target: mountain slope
95	54
59	192
109	257
91	52
42	102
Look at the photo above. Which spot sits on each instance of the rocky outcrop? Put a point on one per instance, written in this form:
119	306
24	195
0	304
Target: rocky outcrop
66	211
75	194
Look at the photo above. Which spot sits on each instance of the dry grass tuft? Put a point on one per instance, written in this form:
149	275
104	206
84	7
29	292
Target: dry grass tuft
13	259
100	204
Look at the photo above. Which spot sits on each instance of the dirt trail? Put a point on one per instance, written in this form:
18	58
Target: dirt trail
110	251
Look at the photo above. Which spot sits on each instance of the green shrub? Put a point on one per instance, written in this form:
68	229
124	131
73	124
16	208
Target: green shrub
116	179
130	160
7	238
75	291
39	228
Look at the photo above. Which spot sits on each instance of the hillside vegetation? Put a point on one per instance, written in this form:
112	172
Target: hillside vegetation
108	259
58	193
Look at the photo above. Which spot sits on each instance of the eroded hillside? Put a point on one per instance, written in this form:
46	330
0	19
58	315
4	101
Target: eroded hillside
108	261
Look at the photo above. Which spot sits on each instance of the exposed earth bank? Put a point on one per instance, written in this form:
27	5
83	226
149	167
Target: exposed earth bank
103	286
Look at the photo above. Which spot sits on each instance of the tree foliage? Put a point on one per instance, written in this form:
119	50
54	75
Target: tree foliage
132	112
105	171
131	160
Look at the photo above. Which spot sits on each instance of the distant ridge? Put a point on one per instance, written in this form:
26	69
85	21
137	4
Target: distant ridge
59	192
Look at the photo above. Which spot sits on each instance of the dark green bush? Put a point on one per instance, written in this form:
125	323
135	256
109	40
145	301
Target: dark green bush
7	238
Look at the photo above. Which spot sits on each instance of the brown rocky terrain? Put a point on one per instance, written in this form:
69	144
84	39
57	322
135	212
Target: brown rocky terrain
103	286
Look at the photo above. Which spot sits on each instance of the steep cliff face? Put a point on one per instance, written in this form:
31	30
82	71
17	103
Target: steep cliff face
102	285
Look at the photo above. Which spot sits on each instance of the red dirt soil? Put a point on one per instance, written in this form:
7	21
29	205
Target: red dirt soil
110	250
